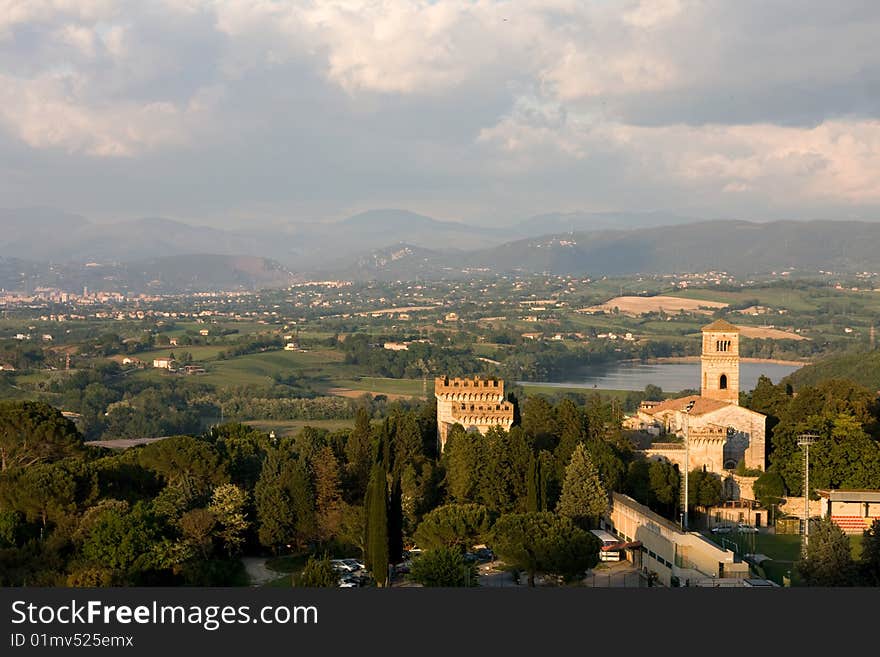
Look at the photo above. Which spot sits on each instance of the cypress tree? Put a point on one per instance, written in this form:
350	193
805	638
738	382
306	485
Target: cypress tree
395	522
376	529
535	500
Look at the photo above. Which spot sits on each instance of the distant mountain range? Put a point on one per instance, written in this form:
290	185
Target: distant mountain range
580	222
47	247
738	247
166	275
52	236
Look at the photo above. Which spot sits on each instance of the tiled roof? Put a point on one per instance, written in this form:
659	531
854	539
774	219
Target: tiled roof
720	325
701	405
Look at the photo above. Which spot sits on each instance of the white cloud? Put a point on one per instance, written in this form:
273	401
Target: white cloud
650	13
50	112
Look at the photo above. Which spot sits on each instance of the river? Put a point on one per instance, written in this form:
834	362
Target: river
672	377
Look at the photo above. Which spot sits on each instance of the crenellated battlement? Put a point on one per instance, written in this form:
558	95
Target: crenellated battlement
476	387
476	403
502	409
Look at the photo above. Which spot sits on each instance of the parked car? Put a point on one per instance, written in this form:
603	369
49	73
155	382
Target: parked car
722	529
403	567
349	582
746	528
484	555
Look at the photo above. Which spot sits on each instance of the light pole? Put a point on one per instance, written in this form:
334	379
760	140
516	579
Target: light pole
805	440
687	458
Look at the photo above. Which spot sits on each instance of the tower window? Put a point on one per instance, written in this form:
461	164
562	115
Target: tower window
722	382
722	345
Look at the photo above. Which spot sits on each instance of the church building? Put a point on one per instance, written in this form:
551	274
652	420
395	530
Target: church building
720	432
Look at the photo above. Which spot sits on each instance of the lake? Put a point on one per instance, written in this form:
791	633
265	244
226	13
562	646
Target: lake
672	377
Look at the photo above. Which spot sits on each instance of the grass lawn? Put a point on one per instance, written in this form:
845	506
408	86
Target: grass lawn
784	551
292	563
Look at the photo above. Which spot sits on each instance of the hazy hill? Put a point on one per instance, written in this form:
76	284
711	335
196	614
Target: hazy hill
207	272
337	244
734	246
49	235
170	274
577	222
398	262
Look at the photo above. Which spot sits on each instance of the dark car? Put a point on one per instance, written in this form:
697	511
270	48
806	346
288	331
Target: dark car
484	555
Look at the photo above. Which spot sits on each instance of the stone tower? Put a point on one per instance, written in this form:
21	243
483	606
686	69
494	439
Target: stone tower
476	404
720	362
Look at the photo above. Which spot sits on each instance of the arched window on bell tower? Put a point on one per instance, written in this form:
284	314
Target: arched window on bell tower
722	382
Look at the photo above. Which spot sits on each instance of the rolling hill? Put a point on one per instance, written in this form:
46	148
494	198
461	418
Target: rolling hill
738	247
861	368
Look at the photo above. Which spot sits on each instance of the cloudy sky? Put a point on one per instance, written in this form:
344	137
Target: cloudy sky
229	111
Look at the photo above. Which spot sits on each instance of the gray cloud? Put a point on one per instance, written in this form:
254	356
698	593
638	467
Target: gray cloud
220	111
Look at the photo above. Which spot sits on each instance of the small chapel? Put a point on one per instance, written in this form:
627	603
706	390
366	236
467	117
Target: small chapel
720	432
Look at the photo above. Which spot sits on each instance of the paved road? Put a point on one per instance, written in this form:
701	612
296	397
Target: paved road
497	578
257	571
620	574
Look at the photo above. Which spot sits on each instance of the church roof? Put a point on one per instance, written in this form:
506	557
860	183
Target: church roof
721	325
702	405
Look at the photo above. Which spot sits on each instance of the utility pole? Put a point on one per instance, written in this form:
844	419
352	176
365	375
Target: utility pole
805	440
687	459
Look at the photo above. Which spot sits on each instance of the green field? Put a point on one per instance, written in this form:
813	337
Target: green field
784	551
551	391
292	427
198	353
409	387
262	368
795	300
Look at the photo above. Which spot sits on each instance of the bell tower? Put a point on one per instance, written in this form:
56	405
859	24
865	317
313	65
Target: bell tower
720	362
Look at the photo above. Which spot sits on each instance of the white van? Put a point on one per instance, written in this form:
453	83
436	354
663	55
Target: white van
608	541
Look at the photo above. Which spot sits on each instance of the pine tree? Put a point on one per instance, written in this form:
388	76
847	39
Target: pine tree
572	430
583	498
358	453
376	530
328	496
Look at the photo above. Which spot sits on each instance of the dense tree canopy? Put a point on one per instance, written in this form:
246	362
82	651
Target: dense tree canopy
453	525
828	561
544	543
444	566
33	432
